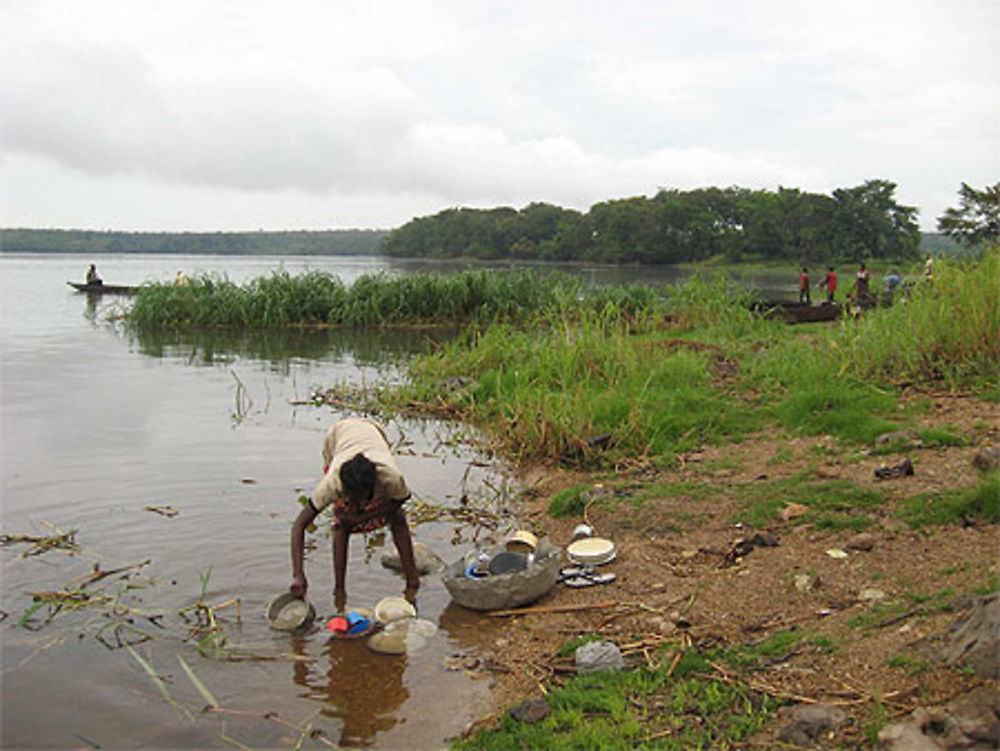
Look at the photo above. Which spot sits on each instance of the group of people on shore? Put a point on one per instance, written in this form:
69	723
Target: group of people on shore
861	293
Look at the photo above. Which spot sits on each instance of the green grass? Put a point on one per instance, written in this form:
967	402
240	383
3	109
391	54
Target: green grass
980	501
942	437
641	708
909	604
832	504
545	387
946	332
569	502
548	392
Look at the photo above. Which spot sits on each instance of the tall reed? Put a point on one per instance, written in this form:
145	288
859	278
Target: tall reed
948	331
374	299
615	376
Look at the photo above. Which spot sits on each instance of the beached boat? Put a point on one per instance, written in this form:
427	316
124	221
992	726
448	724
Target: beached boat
103	289
792	311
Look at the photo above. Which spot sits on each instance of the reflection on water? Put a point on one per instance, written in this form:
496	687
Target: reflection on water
361	689
281	347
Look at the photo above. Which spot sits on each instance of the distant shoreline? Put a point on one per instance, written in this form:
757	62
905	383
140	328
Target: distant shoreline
340	242
350	242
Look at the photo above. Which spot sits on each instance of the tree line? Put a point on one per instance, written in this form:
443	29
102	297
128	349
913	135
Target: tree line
734	224
673	226
322	242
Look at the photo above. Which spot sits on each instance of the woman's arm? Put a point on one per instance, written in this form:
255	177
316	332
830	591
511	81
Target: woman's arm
300	585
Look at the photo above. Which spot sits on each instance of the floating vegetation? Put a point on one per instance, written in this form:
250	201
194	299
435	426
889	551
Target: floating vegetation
420	512
118	618
65	541
116	622
206	626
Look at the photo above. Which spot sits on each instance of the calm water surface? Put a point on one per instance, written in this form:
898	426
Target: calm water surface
98	427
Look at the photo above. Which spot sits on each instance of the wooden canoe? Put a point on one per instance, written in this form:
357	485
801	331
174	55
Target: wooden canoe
796	312
103	289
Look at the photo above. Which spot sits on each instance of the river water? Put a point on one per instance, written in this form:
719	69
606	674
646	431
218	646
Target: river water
181	460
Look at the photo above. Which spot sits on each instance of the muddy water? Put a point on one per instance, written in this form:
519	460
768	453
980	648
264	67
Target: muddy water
181	460
190	454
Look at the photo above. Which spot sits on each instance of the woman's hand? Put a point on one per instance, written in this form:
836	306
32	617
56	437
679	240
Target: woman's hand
299	586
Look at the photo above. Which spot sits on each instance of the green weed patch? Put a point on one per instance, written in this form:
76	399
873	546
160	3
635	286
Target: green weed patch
980	501
831	503
649	708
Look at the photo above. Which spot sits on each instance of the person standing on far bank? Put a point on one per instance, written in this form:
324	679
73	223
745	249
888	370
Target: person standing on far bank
830	282
861	280
366	491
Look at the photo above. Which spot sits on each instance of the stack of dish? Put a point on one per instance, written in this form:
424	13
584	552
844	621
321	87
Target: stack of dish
390	609
404	636
522	541
591	551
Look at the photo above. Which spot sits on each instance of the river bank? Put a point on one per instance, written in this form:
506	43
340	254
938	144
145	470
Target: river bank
797	515
854	632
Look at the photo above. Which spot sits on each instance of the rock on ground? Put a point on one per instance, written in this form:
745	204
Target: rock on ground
974	639
427	560
598	655
987	459
967	722
809	722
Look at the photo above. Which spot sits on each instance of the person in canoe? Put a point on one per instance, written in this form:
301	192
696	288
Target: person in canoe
366	491
92	276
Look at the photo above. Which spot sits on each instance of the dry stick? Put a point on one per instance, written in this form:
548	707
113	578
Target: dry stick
98	574
554	609
673	665
726	677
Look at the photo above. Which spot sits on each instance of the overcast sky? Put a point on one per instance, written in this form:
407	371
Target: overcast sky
226	115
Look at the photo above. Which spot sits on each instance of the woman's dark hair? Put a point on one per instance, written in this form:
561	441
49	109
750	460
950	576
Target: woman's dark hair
357	477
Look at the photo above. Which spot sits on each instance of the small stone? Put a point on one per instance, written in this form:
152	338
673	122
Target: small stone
659	625
598	655
531	711
987	459
793	511
871	595
806	582
898	436
861	541
809	721
894	526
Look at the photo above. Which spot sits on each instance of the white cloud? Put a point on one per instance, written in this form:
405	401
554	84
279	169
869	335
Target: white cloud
387	108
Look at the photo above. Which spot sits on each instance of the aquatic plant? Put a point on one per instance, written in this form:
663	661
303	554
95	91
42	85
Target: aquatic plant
373	299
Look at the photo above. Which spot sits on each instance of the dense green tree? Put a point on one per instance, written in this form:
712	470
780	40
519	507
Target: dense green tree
977	218
868	223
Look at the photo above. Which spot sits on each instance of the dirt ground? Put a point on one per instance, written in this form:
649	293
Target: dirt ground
679	581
